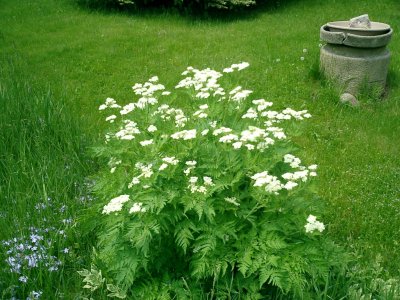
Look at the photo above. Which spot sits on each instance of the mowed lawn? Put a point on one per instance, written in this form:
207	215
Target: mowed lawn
86	56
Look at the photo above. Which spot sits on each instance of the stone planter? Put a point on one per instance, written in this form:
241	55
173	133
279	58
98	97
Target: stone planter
354	57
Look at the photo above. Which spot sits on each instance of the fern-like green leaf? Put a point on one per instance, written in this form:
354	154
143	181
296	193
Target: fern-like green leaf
245	261
183	234
204	244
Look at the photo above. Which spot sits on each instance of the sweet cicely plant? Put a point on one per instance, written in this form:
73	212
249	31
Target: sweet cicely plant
203	196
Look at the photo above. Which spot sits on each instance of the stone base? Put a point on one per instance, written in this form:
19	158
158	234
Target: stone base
351	68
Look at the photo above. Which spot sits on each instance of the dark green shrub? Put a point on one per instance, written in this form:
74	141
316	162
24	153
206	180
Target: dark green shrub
193	5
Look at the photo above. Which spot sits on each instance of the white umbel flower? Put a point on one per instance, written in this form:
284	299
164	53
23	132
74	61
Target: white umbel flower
313	224
171	160
184	135
290	185
228	138
163	167
193	179
115	204
237	145
221	130
208	181
151	128
146	143
205	131
269	182
111	118
250	114
137	207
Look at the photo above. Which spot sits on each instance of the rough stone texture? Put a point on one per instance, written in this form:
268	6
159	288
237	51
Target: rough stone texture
331	37
353	40
360	22
352	67
347	98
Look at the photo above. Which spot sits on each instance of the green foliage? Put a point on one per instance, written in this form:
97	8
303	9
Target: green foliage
107	4
115	292
229	4
201	196
92	279
42	186
372	282
191	5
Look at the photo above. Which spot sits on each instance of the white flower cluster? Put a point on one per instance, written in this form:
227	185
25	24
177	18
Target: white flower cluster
221	130
128	131
286	114
115	204
251	138
204	82
184	134
152	128
277	132
205	131
298	115
233	67
313	224
303	174
252	112
137	207
147	169
110	103
201	113
111	118
292	160
259	111
146	142
146	172
262	104
168	161
238	94
194	188
269	182
147	92
274	185
166	113
258	136
229	138
191	164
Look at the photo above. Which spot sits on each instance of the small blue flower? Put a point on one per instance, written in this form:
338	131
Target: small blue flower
34	295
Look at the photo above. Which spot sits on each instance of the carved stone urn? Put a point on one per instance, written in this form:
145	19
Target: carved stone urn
355	55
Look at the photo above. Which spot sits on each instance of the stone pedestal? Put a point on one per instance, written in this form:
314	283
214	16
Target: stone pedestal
352	68
355	57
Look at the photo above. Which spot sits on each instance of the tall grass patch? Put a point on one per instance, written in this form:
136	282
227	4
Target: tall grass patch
42	172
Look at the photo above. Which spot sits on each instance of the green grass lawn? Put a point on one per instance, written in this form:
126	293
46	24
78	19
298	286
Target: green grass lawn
84	57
